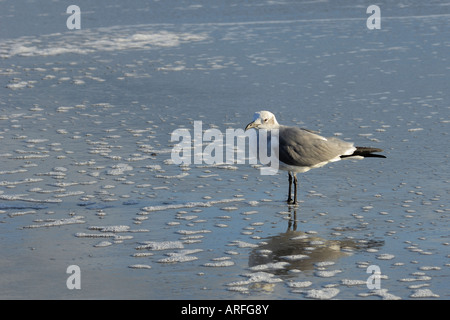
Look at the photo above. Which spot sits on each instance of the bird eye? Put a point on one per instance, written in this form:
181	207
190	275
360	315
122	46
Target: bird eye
265	120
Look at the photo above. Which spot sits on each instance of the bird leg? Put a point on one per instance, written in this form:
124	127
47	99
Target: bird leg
289	200
295	189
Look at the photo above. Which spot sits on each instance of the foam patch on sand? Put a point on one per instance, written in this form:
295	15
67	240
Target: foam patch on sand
96	40
162	245
188	205
180	256
57	222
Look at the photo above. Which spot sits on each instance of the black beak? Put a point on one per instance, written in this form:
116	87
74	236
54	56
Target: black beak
251	125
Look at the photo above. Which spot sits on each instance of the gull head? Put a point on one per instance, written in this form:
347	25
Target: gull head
263	120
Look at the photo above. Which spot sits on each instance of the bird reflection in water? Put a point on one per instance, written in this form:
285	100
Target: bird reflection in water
302	251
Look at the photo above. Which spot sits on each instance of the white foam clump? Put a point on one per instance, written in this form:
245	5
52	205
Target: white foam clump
36	140
153	167
229	208
94	235
424	293
415	129
189	205
238	289
385	256
17	85
191	232
177	176
164	38
327	274
350	282
139	266
295	257
59	222
142	254
324	264
180	256
256	277
226	167
299	284
418	278
96	40
428	268
243	244
69	194
163	245
21	197
221	225
103	244
270	266
11	183
265	252
111	228
383	293
300	237
224	262
322	294
119	169
21	213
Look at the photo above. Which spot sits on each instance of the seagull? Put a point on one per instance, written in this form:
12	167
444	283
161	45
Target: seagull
300	150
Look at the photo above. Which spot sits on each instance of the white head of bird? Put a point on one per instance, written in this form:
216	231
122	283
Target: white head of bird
263	120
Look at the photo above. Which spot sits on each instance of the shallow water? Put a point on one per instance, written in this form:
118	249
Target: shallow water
87	178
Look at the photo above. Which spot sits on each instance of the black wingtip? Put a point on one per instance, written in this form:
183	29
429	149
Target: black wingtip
371	155
366	152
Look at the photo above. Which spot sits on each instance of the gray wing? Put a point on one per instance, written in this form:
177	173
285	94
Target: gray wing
299	147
